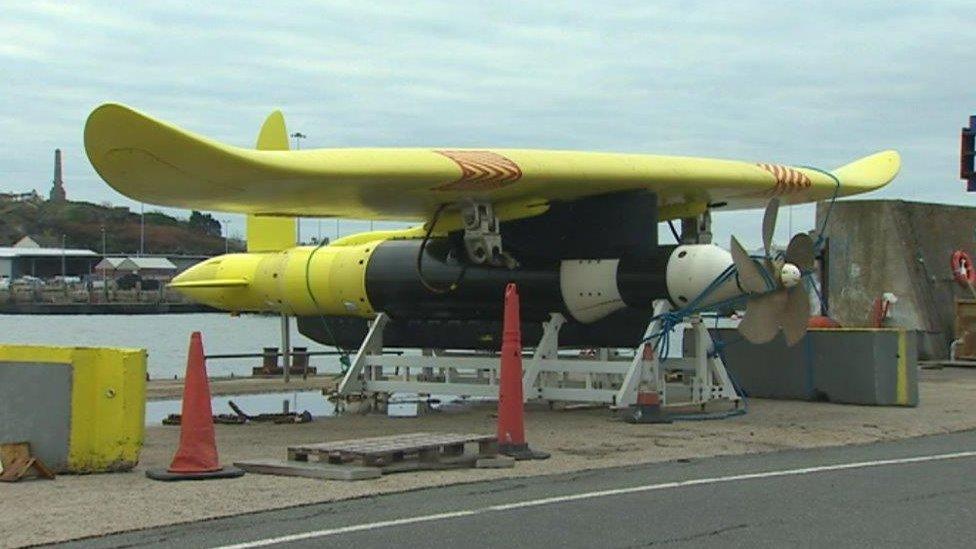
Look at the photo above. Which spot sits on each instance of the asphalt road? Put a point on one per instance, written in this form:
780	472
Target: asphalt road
912	492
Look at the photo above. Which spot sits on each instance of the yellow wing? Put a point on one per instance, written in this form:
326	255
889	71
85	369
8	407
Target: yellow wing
152	161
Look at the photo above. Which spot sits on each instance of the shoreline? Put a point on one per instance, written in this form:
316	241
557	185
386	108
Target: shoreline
172	389
30	308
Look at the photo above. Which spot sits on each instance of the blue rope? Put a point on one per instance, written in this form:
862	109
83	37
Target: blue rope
818	244
669	320
661	339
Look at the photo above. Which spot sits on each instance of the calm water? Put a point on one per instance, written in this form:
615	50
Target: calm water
165	337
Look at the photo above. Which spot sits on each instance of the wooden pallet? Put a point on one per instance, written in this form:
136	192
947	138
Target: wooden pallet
407	451
17	462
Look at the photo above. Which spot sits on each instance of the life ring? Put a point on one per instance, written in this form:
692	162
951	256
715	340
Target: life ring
962	268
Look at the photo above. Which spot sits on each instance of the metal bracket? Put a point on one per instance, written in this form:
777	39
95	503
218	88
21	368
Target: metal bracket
698	229
482	238
705	227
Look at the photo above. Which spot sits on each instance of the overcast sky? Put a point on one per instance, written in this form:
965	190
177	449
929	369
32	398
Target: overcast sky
817	83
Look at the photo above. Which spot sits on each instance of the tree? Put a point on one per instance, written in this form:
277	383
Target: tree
204	223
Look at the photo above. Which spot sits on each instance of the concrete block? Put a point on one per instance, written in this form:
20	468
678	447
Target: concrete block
106	398
35	407
851	366
877	246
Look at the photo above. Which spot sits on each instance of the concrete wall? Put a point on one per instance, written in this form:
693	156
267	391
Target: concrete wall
877	246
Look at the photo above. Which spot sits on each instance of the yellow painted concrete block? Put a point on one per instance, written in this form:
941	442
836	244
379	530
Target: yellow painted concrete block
108	402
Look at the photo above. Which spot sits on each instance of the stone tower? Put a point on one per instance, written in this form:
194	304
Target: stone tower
57	191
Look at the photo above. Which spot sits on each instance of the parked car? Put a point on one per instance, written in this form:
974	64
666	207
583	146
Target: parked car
28	281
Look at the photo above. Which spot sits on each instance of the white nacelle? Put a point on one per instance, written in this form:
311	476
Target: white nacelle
692	268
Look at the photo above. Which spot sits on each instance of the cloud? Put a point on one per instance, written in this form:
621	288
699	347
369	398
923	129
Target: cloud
815	83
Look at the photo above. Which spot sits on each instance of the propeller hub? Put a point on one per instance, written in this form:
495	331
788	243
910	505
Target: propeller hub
790	275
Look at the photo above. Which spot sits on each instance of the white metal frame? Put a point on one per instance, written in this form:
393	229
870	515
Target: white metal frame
547	376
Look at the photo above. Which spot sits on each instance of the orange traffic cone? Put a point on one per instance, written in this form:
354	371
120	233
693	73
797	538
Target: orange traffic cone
196	458
511	421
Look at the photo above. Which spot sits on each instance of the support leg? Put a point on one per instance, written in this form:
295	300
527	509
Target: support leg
352	382
627	395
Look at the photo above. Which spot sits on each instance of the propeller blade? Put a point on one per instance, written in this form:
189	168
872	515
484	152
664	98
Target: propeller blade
750	278
795	316
769	225
761	322
800	252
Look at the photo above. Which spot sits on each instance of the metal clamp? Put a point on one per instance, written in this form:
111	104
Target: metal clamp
482	238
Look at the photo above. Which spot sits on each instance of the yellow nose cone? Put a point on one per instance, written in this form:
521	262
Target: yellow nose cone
223	282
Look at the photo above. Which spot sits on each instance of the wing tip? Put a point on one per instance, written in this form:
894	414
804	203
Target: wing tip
870	172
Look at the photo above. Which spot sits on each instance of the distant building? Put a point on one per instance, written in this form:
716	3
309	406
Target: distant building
158	268
31	196
108	266
155	268
16	262
38	242
57	190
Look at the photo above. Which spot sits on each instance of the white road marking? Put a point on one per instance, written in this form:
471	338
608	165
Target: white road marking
591	495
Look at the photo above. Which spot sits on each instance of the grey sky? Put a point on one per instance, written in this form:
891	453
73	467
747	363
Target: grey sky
817	83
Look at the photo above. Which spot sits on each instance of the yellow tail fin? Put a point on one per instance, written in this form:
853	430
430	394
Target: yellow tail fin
267	233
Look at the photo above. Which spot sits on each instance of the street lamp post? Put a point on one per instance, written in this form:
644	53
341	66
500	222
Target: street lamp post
142	229
104	274
226	234
298	146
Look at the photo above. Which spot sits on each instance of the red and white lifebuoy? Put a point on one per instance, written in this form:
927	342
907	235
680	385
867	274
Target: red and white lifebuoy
963	269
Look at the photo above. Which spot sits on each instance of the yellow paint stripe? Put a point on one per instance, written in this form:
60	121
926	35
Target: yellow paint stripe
216	283
901	387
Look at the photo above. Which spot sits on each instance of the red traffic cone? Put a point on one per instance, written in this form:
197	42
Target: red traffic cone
511	423
196	458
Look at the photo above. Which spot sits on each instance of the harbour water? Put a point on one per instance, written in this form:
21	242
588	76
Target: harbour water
165	337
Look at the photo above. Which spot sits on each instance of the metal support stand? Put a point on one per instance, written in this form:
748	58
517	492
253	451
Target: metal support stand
286	347
547	376
354	380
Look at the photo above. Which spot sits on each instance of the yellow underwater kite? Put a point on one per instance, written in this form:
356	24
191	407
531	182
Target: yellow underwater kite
576	230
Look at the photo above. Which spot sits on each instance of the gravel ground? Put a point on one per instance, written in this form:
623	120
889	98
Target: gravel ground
77	506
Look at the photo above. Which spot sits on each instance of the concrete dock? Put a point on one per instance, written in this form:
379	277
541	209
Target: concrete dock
578	439
168	389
